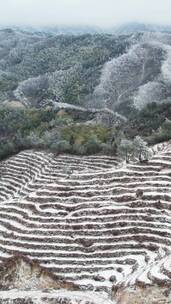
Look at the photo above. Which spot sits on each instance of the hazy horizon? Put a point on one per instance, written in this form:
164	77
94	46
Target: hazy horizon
104	13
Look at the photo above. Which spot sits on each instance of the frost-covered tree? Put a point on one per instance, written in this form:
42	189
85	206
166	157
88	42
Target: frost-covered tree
122	77
15	55
151	91
8	83
51	137
65	86
92	145
32	89
34	140
140	148
125	149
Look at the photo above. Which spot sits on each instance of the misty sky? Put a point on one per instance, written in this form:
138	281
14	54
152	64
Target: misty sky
84	12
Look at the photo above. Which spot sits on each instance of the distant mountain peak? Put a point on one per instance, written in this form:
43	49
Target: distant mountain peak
134	27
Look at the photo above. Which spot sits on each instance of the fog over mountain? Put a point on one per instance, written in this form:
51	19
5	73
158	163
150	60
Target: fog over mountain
104	13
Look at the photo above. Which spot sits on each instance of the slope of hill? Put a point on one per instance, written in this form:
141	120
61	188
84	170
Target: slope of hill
38	65
141	295
91	223
94	70
21	273
139	76
90	220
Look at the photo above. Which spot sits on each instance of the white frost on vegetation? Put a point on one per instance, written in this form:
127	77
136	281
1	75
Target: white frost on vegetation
140	76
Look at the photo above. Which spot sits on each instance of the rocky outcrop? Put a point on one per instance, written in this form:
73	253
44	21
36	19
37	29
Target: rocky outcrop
51	297
143	295
21	273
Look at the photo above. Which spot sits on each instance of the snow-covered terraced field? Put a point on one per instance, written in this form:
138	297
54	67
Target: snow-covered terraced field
58	297
80	217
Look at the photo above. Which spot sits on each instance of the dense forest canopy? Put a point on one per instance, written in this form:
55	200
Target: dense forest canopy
36	66
127	74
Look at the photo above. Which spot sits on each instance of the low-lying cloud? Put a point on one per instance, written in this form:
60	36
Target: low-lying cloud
83	12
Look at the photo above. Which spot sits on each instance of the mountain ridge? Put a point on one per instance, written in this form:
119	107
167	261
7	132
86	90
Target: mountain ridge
121	29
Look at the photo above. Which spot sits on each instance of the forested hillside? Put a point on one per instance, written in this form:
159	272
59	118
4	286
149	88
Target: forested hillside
38	66
51	87
85	167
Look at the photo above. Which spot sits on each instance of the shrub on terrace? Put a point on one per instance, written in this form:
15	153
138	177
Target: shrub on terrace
140	149
125	149
137	148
